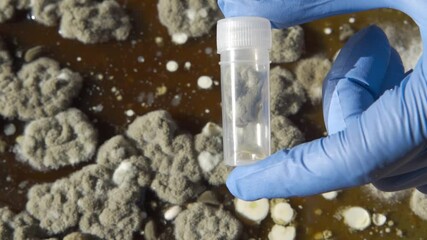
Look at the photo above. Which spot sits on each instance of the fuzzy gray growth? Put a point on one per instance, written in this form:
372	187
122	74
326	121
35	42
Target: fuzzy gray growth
7	10
176	189
99	200
310	72
284	134
387	197
21	226
46	11
5	232
407	42
178	174
184	161
192	17
116	217
55	205
114	151
89	199
288	44
22	4
54	142
210	154
154	127
6	217
78	236
248	84
40	89
133	171
418	204
91	21
200	221
172	156
286	94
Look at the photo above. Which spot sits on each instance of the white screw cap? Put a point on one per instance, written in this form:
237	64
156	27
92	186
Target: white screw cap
243	32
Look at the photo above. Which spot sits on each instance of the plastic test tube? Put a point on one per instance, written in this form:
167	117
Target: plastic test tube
244	44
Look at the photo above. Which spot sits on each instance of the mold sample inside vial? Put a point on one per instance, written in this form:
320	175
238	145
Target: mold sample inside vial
245	109
247	98
244	44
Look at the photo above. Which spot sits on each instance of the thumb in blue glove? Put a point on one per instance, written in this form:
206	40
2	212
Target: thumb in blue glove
375	135
311	166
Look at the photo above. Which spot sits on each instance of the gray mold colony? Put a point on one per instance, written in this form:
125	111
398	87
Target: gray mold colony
88	21
40	89
191	17
288	44
53	142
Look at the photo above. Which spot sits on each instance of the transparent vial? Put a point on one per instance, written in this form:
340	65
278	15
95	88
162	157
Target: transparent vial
244	44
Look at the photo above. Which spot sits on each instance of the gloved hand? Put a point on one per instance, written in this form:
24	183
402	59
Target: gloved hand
375	114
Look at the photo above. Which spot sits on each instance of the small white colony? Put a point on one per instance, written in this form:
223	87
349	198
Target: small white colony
187	65
9	129
379	219
279	232
123	172
172	212
179	38
172	66
330	195
281	212
204	82
211	129
418	204
208	161
254	211
327	31
356	218
129	113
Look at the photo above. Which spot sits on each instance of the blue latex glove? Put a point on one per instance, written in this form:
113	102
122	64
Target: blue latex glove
376	115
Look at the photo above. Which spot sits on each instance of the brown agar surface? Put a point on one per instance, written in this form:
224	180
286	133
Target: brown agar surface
118	75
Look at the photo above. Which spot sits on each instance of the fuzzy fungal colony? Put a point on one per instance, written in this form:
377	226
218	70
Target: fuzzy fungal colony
107	198
188	18
88	21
